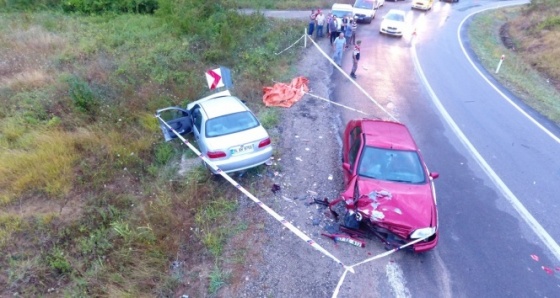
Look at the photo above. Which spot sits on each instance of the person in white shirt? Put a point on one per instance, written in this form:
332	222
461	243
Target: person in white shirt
320	23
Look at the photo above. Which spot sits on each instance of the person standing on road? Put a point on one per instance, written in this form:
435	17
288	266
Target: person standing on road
312	18
329	19
355	58
338	45
344	23
348	34
320	23
333	28
354	29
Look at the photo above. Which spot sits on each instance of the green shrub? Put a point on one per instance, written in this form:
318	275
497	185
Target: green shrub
102	6
164	152
57	261
82	95
11	5
549	23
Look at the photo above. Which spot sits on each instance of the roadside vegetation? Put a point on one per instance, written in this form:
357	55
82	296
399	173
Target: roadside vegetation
528	37
287	4
91	202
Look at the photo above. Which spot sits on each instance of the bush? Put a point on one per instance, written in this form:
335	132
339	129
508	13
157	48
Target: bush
103	6
11	5
82	95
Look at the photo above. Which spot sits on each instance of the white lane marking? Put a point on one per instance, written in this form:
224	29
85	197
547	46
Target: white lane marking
396	279
546	131
506	192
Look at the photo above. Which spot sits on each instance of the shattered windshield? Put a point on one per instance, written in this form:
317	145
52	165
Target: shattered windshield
391	165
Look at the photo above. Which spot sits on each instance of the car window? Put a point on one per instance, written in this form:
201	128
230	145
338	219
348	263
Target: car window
355	134
364	4
172	114
395	17
354	150
391	165
197	118
341	13
230	123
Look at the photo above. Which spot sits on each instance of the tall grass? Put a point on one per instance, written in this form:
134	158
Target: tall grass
517	72
45	165
81	150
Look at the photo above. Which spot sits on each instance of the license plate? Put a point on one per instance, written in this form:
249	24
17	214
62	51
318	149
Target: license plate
241	149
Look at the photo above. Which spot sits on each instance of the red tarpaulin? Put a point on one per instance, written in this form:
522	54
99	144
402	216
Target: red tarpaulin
284	95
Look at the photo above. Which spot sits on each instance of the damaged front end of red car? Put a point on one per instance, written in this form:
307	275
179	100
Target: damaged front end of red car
390	216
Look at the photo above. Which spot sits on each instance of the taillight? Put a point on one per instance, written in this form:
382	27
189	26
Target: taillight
216	154
264	143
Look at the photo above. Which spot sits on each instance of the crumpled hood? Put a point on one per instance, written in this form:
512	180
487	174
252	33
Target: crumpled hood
408	206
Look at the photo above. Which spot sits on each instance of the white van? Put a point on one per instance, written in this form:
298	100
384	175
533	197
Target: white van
342	10
364	10
422	4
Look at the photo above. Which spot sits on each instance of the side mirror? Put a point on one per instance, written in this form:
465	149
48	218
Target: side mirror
434	175
346	166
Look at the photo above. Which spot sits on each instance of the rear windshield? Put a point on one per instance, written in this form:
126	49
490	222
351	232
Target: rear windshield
230	123
364	4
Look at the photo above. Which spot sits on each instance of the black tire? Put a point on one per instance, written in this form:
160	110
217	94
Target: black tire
350	221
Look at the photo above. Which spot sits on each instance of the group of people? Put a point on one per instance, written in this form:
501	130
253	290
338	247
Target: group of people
342	34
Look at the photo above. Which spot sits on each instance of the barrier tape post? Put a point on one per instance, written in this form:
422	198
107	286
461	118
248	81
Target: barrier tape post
273	213
500	63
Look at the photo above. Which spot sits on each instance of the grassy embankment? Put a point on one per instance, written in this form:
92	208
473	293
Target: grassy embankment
288	4
531	68
91	202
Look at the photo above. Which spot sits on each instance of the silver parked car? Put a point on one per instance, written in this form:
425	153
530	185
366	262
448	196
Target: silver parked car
226	131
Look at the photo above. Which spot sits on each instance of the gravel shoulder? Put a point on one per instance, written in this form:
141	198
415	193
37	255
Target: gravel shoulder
275	262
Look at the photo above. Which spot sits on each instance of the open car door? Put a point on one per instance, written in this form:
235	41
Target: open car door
179	119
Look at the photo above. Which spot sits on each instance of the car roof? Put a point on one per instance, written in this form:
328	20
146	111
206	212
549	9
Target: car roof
220	106
388	134
341	6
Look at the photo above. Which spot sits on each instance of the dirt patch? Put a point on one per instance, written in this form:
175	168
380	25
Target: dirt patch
277	263
506	38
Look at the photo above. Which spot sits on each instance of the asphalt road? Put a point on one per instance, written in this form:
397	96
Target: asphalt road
499	171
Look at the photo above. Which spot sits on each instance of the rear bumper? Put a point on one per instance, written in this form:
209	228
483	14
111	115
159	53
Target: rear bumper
241	162
420	6
363	18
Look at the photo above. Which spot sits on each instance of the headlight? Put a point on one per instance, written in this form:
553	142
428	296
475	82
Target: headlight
423	233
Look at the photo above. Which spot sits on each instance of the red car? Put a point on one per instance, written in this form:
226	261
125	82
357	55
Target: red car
389	189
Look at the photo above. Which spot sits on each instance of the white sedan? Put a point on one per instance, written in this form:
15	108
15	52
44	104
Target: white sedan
393	23
226	131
